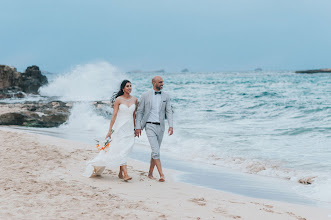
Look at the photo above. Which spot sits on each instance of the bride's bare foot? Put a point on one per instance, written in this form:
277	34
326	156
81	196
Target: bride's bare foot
161	179
127	178
151	176
120	175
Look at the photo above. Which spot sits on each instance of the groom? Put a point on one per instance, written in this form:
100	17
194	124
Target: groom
152	108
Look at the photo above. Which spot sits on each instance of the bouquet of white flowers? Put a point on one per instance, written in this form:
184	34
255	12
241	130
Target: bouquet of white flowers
105	144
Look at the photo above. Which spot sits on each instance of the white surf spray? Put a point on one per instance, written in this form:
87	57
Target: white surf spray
85	124
88	82
83	85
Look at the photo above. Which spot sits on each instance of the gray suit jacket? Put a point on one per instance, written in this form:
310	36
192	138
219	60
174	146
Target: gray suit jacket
144	109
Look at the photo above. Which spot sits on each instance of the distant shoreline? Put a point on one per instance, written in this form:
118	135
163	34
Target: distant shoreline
314	71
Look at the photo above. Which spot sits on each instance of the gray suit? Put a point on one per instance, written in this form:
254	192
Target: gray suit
154	132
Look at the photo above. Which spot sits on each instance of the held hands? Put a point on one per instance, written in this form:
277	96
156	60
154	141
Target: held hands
170	131
137	132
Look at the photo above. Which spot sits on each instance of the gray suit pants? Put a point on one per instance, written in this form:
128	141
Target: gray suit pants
155	136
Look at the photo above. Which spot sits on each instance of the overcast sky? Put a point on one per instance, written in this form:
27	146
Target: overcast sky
201	35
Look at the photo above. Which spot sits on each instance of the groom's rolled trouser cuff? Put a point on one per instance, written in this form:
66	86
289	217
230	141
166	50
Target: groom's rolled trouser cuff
154	135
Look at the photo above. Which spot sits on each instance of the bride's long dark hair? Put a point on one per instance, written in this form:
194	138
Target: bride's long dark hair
119	93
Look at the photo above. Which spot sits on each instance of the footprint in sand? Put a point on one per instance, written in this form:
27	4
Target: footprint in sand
199	201
267	210
224	212
142	173
162	217
297	217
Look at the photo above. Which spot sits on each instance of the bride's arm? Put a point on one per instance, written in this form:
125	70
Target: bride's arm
139	110
113	118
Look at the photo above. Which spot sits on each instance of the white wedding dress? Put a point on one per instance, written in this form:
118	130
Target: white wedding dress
120	146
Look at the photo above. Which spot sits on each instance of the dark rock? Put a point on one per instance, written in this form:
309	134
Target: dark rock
13	83
56	104
32	120
4	95
32	80
35	114
32	108
53	120
11	92
45	121
12	118
19	95
9	77
314	71
185	70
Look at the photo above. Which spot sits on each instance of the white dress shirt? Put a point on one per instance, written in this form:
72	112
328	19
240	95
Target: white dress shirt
155	108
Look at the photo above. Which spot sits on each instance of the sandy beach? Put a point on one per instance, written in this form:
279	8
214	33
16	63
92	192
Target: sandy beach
42	179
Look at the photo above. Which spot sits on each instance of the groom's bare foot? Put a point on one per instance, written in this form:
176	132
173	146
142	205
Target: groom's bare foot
127	178
161	179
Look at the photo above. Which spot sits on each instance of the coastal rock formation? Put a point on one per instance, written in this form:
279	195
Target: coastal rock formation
11	93
33	114
16	84
12	118
314	71
32	80
9	77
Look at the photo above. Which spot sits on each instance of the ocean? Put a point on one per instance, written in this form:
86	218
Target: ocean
267	123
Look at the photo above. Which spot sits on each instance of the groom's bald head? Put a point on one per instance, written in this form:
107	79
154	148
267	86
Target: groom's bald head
156	78
157	82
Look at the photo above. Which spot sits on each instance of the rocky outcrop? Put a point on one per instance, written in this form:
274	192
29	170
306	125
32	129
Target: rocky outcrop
14	92
32	80
9	77
35	114
16	84
12	118
314	71
50	114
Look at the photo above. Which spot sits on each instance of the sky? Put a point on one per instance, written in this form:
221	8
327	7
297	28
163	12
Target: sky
201	35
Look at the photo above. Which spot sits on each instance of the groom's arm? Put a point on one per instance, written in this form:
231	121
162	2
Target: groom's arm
140	111
169	116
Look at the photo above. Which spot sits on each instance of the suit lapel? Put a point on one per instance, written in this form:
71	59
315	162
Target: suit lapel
150	100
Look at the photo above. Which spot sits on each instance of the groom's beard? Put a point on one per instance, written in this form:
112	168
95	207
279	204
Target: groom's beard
158	88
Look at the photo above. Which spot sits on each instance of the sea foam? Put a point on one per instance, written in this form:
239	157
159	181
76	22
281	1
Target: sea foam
88	82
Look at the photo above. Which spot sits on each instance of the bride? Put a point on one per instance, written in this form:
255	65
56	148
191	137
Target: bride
122	138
